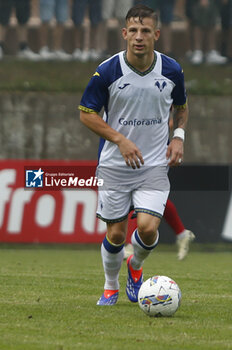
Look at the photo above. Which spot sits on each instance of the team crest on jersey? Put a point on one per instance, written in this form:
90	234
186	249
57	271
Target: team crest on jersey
160	85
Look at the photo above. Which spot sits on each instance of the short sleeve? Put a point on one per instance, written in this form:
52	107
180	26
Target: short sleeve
179	92
173	71
95	95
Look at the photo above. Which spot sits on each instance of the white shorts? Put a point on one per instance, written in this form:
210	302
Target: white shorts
118	9
114	206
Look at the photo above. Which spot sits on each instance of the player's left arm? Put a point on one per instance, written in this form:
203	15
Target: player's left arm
175	151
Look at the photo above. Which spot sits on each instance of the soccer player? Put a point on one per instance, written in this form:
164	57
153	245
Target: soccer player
183	236
137	88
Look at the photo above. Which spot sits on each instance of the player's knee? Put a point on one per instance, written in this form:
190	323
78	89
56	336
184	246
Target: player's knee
147	233
146	227
116	232
116	236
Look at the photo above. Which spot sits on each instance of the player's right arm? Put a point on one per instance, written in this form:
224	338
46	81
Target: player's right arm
128	149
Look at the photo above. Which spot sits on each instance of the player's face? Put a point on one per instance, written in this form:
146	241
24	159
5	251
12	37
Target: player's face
140	37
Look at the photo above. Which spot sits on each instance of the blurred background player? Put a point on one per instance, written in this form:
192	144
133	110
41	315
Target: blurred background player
202	16
94	10
22	11
183	236
114	9
50	9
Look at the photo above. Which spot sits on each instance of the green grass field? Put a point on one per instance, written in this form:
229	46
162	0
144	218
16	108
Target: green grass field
72	77
48	301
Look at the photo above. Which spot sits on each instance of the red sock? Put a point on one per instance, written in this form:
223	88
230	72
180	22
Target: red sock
172	218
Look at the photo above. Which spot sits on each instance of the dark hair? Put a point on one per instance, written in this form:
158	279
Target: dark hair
141	11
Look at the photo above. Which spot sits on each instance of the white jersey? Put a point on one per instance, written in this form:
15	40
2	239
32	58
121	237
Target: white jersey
135	104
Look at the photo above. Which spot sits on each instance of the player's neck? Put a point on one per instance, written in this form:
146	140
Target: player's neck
140	63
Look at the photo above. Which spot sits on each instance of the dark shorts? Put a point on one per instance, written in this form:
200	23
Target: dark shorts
202	16
189	8
165	8
79	10
226	14
22	9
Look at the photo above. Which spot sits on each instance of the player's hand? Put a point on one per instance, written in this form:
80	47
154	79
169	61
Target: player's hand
175	152
130	152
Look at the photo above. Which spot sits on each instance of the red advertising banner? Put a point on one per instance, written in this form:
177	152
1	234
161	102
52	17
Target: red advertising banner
34	211
50	201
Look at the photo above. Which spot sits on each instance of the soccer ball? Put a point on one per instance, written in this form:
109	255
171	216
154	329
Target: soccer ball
159	296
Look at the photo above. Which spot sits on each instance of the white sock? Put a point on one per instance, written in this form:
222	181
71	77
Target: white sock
112	258
181	235
141	250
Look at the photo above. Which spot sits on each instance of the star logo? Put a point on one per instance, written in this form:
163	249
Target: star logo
38	174
34	178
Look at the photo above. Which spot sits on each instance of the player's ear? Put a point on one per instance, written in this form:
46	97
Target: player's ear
124	33
157	34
